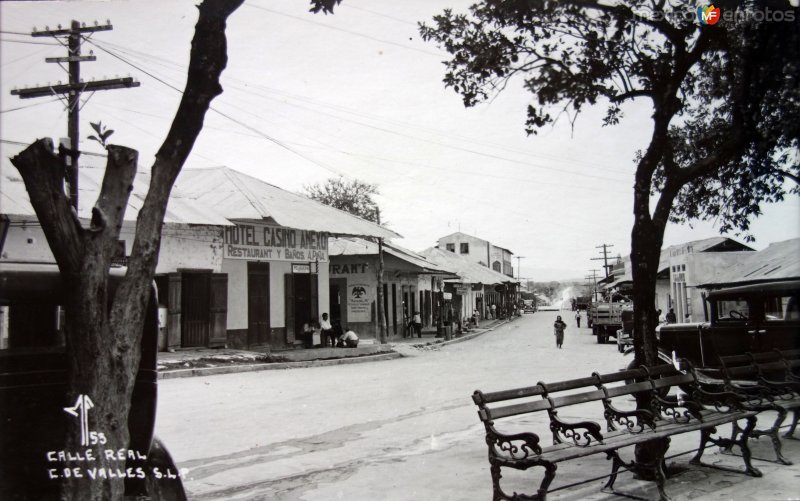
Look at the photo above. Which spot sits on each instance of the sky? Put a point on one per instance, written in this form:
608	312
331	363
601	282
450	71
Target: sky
358	94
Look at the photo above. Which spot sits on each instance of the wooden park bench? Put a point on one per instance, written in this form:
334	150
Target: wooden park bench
767	377
605	396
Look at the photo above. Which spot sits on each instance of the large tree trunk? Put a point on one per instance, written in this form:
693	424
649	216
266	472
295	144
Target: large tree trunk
647	238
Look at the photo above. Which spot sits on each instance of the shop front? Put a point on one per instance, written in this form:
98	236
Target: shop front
409	285
278	280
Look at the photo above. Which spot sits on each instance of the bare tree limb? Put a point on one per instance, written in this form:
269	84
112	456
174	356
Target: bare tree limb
42	172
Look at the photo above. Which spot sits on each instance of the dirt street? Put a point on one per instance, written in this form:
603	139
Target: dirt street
404	429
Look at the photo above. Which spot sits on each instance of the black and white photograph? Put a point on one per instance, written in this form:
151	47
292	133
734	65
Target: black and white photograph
368	250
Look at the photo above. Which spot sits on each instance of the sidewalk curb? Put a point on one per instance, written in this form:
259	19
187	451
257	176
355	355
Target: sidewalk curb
267	366
232	369
465	337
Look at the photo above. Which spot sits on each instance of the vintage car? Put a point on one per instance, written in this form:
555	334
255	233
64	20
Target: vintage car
749	318
34	408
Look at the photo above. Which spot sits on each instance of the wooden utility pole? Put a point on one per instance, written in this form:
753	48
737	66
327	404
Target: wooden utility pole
381	314
605	248
73	90
594	282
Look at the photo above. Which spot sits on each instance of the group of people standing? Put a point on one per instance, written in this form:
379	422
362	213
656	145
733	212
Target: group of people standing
323	333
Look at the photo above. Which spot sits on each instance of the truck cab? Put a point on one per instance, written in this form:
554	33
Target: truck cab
34	409
749	318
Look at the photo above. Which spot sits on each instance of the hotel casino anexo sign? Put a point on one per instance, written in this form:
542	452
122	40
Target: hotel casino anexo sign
263	242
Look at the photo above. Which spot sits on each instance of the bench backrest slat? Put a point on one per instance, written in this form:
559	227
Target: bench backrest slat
578	398
572	384
734	360
499	396
767	356
661	370
513	410
621	376
743	371
675	380
628	389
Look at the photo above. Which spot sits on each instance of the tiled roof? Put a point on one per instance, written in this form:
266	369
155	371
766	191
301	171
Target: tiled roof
779	261
351	246
469	271
215	196
14	197
239	196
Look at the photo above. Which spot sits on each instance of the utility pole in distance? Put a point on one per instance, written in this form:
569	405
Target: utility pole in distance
605	248
73	89
593	277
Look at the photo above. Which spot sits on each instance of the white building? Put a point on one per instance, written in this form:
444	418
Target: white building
477	287
242	263
681	271
478	251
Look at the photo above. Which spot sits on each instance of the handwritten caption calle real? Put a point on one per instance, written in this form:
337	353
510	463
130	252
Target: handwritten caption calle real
64	462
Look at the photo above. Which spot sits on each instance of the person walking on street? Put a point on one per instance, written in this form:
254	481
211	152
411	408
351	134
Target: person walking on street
558	330
494	311
671	318
578	318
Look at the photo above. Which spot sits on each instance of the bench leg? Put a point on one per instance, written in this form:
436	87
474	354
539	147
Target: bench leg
661	479
735	431
616	463
746	455
541	495
790	432
725	443
705	436
772	433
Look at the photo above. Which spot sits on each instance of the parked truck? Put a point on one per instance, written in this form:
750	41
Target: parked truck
582	303
605	318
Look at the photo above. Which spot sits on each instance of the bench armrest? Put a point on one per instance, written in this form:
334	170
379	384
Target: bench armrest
761	393
514	446
571	432
722	401
670	408
784	390
643	417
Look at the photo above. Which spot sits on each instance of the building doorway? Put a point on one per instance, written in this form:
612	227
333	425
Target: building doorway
337	307
195	308
258	307
301	301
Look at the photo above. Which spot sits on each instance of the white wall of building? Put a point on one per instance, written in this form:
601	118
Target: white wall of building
182	246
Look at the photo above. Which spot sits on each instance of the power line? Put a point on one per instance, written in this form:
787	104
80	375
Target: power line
250	92
354	33
379	14
225	115
29	105
330	169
